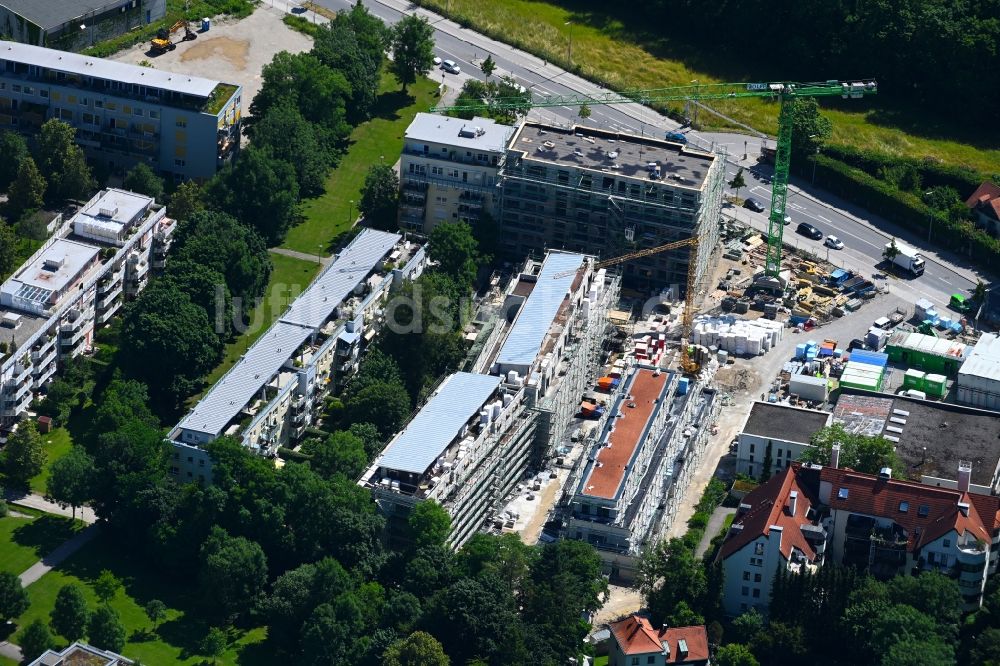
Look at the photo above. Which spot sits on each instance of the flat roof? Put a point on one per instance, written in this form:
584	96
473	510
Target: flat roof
351	267
74	63
540	308
789	424
479	133
984	360
113	209
53	13
438	422
928	344
934	436
251	373
627	434
53	271
600	150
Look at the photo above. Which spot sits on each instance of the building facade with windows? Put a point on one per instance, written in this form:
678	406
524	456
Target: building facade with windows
73	25
775	435
77	281
81	654
185	127
272	395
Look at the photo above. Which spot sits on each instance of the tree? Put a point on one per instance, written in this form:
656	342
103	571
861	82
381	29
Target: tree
263	192
417	649
27	192
71	479
14	149
979	292
368	434
107	586
412	49
584	112
8	248
24	455
929	651
683	616
809	128
186	200
734	654
214	644
74	180
934	595
986	649
289	137
380	197
488	66
429	524
454	248
891	251
340	453
106	630
859	452
383	405
141	179
233	573
669	573
13	596
207	288
156	611
62	162
35	640
354	45
70	614
738	183
304	82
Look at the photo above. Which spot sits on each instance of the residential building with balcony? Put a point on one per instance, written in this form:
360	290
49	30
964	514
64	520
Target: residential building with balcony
185	127
73	25
448	170
808	516
81	654
78	280
274	393
774	435
635	641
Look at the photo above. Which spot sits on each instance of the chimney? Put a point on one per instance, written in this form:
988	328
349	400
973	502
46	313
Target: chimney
793	500
964	508
835	455
964	475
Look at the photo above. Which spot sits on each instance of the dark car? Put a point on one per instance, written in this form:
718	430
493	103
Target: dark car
754	205
809	231
856	344
676	137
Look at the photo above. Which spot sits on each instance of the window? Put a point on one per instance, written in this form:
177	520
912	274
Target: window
127	109
745	591
651	659
181	122
904	507
137	112
28	90
923	510
635	661
746	575
758	548
16	88
842	493
779	451
751	449
756	593
756	578
154	114
98	104
190	458
946	543
43	93
180	163
84	101
111	106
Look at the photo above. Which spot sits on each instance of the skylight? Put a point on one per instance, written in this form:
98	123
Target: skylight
842	493
904	507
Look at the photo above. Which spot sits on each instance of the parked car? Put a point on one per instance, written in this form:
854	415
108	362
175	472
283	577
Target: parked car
676	137
753	205
856	344
437	61
809	231
451	67
834	242
788	220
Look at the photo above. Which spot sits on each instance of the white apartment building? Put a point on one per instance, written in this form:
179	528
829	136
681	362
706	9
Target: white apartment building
268	399
448	169
779	431
75	282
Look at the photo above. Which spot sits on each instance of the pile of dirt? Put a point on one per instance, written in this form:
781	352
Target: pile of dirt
735	378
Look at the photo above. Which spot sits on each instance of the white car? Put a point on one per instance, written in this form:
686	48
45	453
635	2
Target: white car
451	67
437	61
834	242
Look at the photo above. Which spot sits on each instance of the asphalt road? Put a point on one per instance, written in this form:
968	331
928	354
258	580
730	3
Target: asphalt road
864	235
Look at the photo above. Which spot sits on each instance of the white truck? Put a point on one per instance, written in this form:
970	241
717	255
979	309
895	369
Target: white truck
907	258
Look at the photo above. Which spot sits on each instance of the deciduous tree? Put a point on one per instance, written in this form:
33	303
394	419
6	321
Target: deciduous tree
24	455
488	66
263	192
303	81
13	597
8	248
380	197
214	644
340	453
186	200
859	452
27	192
71	479
35	640
417	649
233	573
289	137
107	585
734	654
14	149
809	127
456	251
382	404
141	179
106	630
429	524
412	49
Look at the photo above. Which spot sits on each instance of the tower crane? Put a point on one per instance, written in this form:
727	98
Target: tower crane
782	91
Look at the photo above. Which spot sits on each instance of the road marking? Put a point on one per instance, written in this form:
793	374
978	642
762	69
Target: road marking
825	219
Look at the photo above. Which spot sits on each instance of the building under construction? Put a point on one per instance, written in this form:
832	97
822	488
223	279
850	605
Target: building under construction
608	193
480	432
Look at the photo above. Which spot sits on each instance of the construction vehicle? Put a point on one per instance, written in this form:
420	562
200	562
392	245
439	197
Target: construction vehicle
163	41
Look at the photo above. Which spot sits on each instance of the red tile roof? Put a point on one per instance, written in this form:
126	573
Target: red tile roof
987	194
635	635
770	506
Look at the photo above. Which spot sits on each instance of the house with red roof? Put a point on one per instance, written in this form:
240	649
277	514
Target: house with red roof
808	516
985	205
636	642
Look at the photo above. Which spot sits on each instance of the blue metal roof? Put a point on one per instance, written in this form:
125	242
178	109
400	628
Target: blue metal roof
537	314
438	423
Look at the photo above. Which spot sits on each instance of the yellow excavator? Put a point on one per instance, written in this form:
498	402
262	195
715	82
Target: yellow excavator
163	41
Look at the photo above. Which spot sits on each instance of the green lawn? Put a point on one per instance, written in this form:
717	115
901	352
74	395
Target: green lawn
177	639
24	541
601	661
328	216
607	50
288	279
57	444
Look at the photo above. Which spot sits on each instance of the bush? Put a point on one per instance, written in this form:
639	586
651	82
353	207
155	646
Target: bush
930	173
301	24
698	521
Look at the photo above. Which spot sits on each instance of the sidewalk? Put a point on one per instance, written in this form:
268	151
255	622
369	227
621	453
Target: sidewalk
715	524
33	501
57	556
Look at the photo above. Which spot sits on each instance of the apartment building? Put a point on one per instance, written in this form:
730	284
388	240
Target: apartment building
808	515
73	25
81	654
480	432
448	170
607	193
270	397
640	462
74	283
774	435
185	127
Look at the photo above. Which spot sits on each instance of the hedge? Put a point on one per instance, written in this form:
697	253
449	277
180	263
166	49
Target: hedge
905	209
932	174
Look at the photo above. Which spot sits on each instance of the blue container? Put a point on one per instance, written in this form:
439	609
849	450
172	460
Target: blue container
876	359
682	386
800	351
206	23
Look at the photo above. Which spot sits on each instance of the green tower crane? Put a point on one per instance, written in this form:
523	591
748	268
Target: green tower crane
783	92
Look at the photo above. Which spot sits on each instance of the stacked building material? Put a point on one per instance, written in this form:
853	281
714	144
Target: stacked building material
737	336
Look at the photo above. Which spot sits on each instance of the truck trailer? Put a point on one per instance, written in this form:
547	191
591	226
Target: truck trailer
908	259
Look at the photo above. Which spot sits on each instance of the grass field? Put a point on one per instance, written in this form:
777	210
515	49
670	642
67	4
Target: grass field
24	541
329	215
607	50
178	636
288	279
57	444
